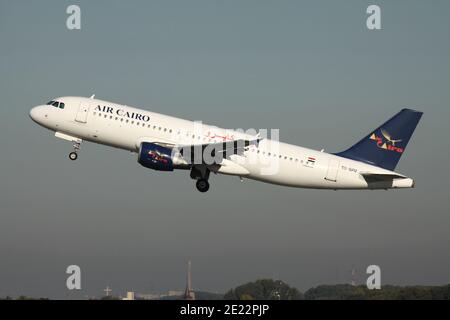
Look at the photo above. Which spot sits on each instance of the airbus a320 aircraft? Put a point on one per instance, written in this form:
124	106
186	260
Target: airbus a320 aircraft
166	143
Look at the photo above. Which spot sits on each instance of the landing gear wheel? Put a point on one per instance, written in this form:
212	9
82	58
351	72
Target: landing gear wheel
73	156
202	185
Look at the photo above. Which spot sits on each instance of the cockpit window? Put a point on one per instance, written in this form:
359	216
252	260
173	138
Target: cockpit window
56	104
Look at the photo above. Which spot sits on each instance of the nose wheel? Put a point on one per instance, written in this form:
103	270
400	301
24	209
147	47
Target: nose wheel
76	147
73	156
202	185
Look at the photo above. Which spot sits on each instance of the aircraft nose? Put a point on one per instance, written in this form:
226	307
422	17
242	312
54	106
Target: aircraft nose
33	113
36	113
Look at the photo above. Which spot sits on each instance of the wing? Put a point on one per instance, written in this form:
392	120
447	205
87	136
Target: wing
227	148
188	151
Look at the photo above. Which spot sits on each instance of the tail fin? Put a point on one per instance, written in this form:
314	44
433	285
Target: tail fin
384	146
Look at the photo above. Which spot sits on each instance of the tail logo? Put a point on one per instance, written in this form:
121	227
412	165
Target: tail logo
386	142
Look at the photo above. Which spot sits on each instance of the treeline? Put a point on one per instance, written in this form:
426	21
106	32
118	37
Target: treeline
387	292
22	298
268	289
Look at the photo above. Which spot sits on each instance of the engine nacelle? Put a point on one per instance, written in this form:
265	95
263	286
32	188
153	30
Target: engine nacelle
160	158
155	157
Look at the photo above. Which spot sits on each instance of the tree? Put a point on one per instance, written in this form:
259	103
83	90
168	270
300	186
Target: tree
265	289
387	292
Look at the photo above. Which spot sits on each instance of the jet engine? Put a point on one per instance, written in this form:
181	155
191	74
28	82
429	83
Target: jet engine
160	158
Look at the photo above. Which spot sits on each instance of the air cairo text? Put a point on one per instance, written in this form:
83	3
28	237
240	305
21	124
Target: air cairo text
123	113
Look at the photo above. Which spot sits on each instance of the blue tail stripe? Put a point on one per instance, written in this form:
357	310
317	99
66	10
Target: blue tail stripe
384	146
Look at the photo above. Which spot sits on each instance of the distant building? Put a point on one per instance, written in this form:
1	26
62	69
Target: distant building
174	293
107	291
148	296
189	293
130	296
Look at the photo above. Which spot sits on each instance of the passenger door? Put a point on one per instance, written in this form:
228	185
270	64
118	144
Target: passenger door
333	166
83	111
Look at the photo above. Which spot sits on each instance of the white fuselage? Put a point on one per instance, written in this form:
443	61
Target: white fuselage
270	161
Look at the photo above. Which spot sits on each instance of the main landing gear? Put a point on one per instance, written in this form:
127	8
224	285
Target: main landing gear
76	147
202	185
201	174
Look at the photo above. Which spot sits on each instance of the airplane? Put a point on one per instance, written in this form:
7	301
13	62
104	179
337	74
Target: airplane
166	143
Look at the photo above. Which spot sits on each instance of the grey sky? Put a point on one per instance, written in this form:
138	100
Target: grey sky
310	68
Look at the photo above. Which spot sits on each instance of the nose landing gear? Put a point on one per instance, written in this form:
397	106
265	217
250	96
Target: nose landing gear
74	154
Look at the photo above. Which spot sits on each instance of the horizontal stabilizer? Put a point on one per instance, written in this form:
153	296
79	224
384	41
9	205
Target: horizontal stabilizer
387	180
382	176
